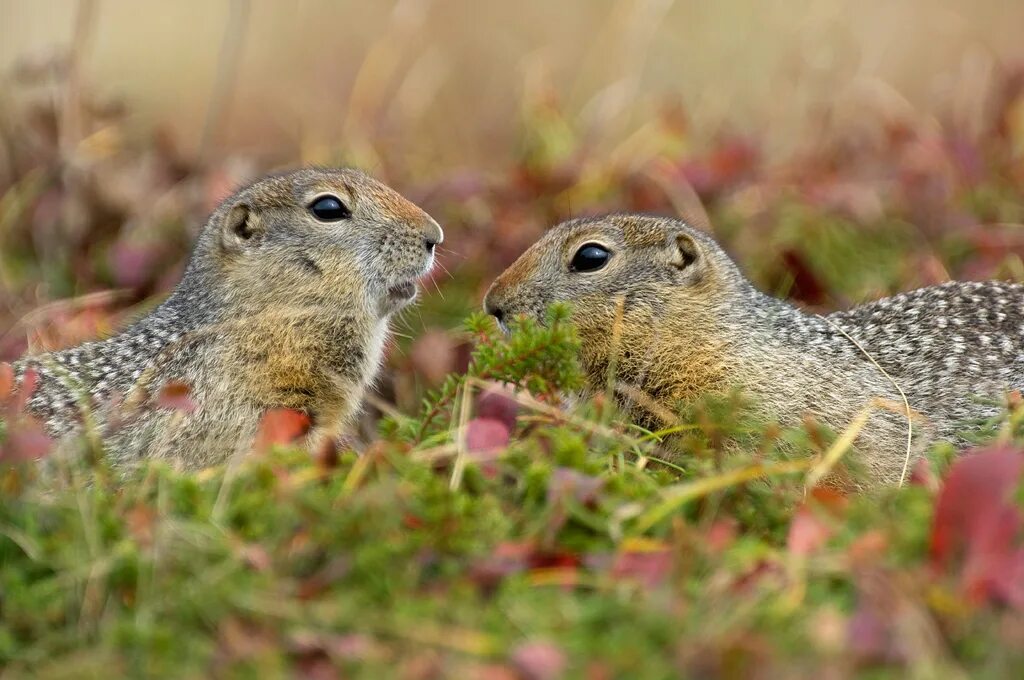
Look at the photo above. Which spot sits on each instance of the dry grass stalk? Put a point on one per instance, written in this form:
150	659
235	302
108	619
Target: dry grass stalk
906	403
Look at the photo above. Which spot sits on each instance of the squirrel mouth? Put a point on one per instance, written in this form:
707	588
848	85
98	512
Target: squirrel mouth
402	292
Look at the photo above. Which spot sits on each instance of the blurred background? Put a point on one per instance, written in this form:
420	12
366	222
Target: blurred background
444	83
840	150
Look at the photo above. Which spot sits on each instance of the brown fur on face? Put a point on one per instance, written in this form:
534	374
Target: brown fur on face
669	305
277	309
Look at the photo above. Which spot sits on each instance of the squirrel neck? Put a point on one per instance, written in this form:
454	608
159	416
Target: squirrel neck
203	307
204	299
780	357
790	361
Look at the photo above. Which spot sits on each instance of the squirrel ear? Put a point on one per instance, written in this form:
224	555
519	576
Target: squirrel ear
240	227
687	251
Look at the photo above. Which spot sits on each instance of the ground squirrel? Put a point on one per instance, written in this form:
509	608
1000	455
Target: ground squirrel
285	302
693	324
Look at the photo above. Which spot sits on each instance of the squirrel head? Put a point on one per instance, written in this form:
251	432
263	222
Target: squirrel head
654	281
318	236
594	263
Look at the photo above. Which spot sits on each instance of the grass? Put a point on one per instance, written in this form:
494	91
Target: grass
560	549
301	567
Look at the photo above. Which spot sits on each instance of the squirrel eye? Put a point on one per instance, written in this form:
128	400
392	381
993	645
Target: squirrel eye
329	209
589	258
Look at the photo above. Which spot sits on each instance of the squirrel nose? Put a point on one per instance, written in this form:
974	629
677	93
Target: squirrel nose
494	310
432	234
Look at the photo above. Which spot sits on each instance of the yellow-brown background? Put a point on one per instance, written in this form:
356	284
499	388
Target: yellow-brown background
452	75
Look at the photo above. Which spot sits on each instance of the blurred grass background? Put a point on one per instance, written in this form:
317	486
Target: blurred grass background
444	83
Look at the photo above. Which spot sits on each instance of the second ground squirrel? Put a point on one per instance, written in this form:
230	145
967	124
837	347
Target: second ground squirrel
285	303
691	324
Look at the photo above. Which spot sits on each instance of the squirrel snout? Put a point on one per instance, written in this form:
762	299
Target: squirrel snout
432	234
493	307
497	312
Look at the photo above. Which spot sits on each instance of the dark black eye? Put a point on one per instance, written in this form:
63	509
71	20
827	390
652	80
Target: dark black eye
329	209
589	258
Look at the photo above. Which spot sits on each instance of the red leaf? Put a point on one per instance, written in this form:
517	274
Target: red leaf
485	435
433	355
139	520
508	558
255	557
219	183
558	559
833	501
6	381
281	426
567	483
922	475
493	671
328	575
493	404
514	558
870	637
28	387
807	285
353	646
175	395
539	660
26	440
978	526
724	166
807	533
645	561
868	547
327	456
411	521
132	264
720	535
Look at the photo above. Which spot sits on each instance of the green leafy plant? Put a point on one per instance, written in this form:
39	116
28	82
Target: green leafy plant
539	358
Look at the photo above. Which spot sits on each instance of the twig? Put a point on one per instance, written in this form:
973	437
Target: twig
71	131
839	447
35	316
227	70
680	494
613	353
460	438
584	424
906	403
